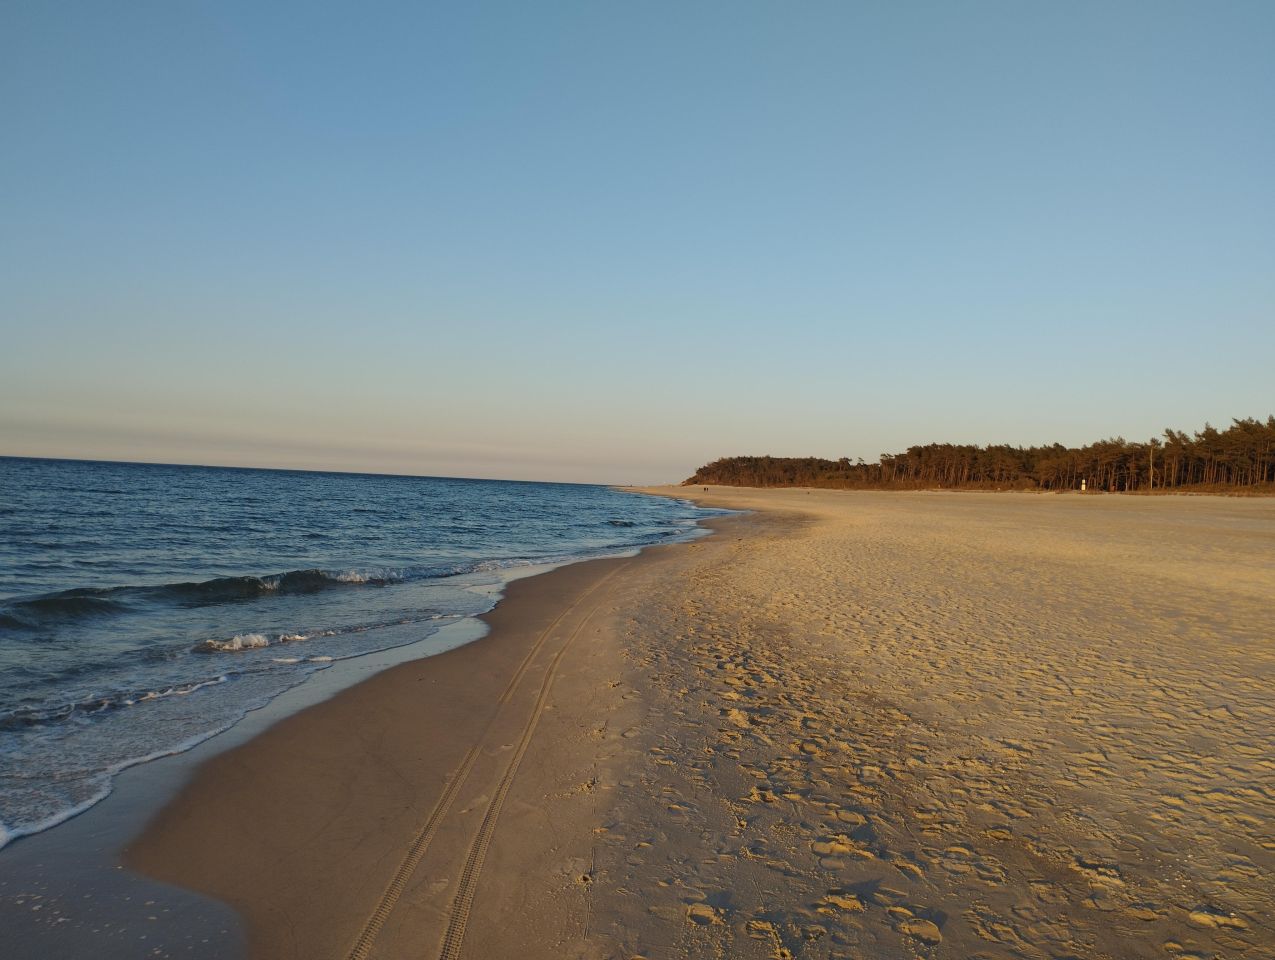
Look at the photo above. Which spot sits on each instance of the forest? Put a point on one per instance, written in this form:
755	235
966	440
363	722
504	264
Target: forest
1239	459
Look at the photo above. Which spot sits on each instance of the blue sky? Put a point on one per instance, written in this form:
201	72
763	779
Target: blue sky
608	242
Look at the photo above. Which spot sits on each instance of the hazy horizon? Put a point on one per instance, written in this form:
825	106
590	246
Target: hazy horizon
611	244
534	479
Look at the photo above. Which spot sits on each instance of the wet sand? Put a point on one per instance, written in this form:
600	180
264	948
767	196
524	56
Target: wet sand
850	724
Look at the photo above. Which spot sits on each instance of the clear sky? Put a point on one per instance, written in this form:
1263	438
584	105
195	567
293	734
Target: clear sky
610	241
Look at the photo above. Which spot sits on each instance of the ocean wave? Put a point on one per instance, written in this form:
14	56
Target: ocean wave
103	784
83	602
9	833
241	642
291	582
23	717
259	641
98	601
67	605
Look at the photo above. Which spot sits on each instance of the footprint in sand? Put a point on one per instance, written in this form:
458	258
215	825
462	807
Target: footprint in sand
703	914
1213	919
840	901
926	931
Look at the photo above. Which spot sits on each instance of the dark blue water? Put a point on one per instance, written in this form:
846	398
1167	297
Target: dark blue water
145	608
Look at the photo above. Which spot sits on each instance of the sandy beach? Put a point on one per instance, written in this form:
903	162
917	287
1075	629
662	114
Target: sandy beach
846	725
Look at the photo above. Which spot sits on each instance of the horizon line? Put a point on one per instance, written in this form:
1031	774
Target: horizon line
345	473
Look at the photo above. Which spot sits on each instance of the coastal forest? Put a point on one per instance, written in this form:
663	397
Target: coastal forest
1238	459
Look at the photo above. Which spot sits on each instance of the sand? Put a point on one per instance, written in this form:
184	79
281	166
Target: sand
848	725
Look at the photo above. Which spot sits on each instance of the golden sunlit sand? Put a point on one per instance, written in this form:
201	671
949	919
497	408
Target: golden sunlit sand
974	724
847	725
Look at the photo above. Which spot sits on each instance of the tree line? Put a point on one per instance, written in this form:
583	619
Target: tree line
1239	459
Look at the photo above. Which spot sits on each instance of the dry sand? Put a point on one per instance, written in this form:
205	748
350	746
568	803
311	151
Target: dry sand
849	725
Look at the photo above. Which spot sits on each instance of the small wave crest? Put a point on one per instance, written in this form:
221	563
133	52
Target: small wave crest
23	717
9	833
242	641
67	605
258	641
30	612
102	785
293	581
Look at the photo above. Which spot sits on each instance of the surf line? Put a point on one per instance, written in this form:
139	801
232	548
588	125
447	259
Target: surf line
420	844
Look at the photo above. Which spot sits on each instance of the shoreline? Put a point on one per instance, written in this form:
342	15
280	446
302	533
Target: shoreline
128	648
72	870
62	889
359	763
885	724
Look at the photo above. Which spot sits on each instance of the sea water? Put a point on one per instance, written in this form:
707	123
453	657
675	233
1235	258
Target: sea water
145	608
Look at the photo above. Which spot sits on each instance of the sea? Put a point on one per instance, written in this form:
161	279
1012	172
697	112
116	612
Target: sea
145	608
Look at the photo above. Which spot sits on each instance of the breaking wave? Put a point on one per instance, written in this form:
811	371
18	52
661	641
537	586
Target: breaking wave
39	716
100	601
259	641
85	602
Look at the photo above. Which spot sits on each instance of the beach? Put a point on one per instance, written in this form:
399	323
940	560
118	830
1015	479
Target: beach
637	482
847	724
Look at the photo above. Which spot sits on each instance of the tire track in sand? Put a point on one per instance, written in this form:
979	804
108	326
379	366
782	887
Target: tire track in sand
454	938
420	843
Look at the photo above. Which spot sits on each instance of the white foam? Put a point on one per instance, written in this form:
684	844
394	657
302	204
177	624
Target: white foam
242	641
369	576
9	834
174	691
107	782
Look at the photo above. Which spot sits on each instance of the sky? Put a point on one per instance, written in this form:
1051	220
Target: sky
608	242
